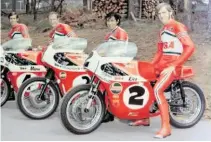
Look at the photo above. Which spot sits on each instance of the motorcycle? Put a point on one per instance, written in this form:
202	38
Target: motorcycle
123	86
18	65
64	62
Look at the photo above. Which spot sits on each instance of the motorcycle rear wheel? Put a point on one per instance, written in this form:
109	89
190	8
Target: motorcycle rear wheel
197	109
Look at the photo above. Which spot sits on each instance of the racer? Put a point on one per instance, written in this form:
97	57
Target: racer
173	50
113	23
18	30
59	29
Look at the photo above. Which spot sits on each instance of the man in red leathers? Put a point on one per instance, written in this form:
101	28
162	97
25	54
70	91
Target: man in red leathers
18	30
113	23
59	30
174	48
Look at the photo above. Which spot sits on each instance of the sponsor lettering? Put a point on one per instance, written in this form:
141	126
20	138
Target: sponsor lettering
118	78
35	69
115	103
22	68
133	79
133	114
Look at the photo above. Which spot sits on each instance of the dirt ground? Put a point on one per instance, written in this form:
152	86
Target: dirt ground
144	34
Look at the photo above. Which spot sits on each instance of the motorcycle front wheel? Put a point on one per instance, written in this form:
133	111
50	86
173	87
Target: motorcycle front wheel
73	114
5	90
29	102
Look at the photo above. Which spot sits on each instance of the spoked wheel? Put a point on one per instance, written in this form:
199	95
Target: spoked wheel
29	102
5	90
75	117
186	117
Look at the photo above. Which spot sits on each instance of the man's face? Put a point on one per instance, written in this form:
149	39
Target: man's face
13	20
111	23
164	15
53	20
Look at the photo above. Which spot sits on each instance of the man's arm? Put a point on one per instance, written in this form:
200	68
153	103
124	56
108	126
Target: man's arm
122	35
187	43
158	54
25	31
69	31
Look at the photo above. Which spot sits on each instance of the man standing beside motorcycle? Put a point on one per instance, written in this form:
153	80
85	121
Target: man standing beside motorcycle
173	50
18	30
113	21
60	30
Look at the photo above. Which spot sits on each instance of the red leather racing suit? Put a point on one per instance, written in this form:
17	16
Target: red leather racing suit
117	34
174	48
18	31
61	31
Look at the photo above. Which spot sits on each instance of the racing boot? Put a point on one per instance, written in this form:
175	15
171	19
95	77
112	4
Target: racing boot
165	126
143	122
108	117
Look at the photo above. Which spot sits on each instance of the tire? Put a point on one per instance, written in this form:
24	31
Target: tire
190	85
20	95
8	87
63	115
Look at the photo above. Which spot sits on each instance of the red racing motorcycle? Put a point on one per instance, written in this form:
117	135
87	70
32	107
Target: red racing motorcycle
18	64
123	87
38	97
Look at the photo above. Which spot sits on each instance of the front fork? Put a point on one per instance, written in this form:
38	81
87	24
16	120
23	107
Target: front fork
48	76
92	92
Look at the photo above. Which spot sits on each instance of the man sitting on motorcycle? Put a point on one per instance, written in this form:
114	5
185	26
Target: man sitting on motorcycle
174	48
18	30
113	22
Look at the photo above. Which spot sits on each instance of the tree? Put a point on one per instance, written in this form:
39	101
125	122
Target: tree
85	3
209	16
60	6
52	5
27	6
35	9
14	5
188	14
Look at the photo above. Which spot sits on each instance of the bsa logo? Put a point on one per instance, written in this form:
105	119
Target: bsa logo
116	88
62	75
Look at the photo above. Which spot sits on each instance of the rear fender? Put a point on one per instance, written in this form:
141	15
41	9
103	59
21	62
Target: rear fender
186	72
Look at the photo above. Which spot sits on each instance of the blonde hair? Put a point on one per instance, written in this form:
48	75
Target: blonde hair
167	6
54	13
